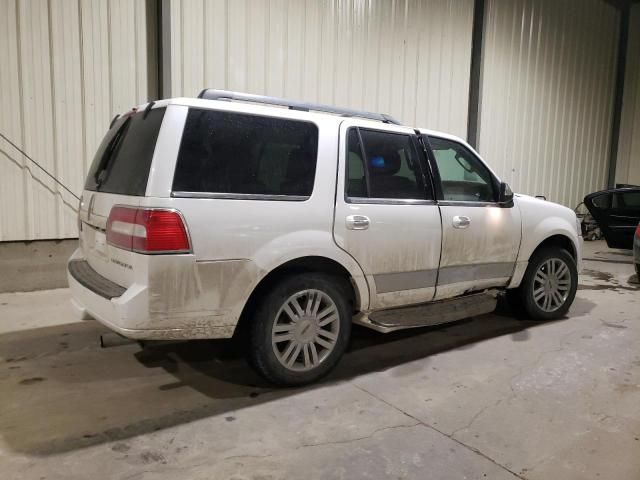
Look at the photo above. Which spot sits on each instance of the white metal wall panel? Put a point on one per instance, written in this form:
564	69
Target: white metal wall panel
547	94
407	58
67	68
628	167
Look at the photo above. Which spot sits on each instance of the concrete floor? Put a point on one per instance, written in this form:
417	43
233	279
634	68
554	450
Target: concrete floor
489	397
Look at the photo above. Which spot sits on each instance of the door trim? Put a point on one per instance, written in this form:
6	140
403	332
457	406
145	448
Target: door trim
478	271
398	281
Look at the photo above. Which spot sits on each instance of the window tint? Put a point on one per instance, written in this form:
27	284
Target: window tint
223	152
463	176
121	164
626	201
386	166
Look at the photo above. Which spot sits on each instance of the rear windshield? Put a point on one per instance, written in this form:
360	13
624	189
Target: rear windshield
235	153
121	164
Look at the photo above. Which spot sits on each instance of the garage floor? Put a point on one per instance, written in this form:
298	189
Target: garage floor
490	397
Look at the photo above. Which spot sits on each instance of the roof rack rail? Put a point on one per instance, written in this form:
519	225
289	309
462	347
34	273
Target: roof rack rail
213	94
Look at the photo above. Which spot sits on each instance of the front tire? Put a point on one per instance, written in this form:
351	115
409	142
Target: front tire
549	284
301	329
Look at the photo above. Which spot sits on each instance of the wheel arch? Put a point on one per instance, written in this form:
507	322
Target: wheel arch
310	263
558	240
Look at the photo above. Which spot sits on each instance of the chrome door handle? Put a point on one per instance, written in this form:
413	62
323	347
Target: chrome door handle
357	222
461	221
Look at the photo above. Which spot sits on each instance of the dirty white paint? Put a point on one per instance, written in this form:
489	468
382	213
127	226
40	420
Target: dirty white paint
547	95
67	67
628	167
407	58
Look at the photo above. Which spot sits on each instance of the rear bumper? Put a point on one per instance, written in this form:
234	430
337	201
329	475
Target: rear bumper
126	310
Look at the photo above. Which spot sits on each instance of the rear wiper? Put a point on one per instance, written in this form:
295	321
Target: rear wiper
100	175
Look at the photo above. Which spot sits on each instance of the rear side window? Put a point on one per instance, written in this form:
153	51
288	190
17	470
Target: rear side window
626	201
234	153
121	164
383	165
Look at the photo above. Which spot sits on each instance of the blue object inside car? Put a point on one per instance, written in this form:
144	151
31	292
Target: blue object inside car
377	162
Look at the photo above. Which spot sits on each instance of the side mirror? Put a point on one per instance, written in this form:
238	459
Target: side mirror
506	194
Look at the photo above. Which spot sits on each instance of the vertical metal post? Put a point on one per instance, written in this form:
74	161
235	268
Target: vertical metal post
475	79
164	51
152	8
623	40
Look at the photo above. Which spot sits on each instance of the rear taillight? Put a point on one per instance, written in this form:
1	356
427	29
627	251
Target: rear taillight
638	231
147	230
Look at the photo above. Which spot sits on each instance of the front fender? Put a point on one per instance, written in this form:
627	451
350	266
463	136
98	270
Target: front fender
542	220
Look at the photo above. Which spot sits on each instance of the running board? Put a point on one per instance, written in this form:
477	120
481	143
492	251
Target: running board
428	314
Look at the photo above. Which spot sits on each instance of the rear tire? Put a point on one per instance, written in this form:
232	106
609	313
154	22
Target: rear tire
300	329
549	284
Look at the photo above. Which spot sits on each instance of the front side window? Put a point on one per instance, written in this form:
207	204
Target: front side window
462	175
234	153
383	165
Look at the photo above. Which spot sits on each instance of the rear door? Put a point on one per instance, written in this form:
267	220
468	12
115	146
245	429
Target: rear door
617	213
386	217
481	238
118	176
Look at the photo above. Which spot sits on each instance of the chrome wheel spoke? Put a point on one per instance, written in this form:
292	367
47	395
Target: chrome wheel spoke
282	338
328	335
283	327
541	277
314	353
323	343
562	270
296	306
294	355
559	299
292	316
307	358
328	320
326	312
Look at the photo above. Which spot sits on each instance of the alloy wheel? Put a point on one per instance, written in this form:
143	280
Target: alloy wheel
551	285
305	330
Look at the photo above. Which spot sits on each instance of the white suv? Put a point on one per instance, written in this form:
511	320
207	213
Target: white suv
203	218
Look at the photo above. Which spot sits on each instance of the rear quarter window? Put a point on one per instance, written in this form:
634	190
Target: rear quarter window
123	160
234	153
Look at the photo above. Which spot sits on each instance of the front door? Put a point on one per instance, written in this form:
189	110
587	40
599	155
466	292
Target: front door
481	238
386	217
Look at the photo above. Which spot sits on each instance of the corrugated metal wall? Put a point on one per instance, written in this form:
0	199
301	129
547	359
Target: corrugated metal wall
547	90
66	67
407	58
547	94
628	168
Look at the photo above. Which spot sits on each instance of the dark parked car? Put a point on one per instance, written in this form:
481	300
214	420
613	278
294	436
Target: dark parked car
617	211
636	251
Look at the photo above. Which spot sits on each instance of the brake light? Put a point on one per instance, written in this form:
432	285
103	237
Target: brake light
638	231
147	230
